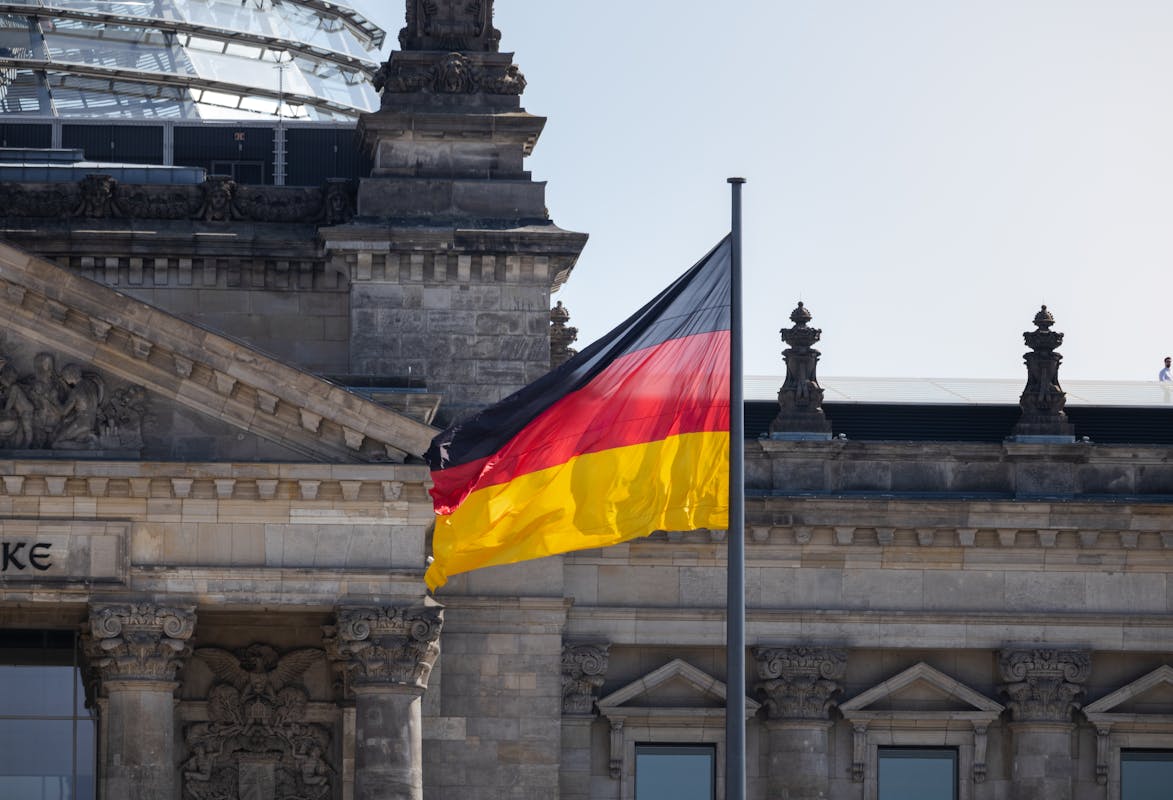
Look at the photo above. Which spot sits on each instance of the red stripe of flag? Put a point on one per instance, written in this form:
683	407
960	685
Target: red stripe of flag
675	387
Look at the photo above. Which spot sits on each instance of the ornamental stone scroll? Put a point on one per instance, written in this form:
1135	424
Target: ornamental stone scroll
386	644
800	682
138	641
1043	684
583	669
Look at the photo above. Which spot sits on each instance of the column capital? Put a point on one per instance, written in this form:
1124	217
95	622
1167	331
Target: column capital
800	682
583	669
1042	684
386	644
142	642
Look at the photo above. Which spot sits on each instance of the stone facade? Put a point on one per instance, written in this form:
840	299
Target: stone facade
240	539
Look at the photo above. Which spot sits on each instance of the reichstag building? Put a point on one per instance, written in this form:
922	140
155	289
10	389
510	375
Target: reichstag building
225	344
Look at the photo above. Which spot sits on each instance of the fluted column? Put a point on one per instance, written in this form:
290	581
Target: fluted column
798	688
135	651
387	654
1043	686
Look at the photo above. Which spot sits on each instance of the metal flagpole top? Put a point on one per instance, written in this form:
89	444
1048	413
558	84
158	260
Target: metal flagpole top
736	180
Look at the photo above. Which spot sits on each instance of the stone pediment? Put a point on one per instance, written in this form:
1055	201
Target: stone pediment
1147	696
676	685
919	692
126	341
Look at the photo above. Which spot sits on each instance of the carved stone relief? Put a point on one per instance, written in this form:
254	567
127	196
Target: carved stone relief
449	73
583	669
800	682
385	644
1043	684
137	641
257	742
217	200
450	25
73	409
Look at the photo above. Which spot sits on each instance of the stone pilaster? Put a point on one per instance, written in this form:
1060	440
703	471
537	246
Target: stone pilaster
1043	685
134	651
583	669
798	689
387	654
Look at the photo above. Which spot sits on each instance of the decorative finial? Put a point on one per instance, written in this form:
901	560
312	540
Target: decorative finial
561	336
800	316
801	398
1043	418
1044	320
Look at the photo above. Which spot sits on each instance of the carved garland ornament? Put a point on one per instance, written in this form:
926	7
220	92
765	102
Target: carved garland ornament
257	742
449	73
217	200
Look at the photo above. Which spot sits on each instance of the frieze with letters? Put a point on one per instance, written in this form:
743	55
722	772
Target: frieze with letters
44	551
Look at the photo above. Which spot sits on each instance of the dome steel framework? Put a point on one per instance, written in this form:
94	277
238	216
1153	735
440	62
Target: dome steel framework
188	59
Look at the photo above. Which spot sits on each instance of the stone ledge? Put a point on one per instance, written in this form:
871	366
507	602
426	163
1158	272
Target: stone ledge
178	480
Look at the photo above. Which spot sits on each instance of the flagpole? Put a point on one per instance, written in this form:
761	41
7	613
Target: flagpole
735	539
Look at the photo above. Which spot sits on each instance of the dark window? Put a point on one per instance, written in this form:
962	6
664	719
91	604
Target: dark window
240	171
314	154
123	144
15	135
245	152
675	772
918	773
47	749
1145	774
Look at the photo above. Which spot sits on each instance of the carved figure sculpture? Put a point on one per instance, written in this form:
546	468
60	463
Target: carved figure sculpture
97	197
16	417
79	409
45	388
219	206
70	410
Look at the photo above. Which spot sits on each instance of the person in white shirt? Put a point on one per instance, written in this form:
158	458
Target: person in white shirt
1164	375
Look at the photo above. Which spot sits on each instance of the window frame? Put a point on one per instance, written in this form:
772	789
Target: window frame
80	711
697	748
954	759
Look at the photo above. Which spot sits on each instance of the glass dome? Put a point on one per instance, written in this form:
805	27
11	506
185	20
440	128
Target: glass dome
188	59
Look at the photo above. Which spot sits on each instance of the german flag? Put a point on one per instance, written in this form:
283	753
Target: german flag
627	437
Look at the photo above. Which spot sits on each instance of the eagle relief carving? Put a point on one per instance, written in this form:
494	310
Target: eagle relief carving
256	743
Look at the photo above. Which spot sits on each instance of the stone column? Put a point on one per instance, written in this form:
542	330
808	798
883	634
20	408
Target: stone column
1042	686
798	689
135	650
387	654
583	670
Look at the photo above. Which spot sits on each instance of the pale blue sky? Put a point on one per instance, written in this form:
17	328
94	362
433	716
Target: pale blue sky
922	173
